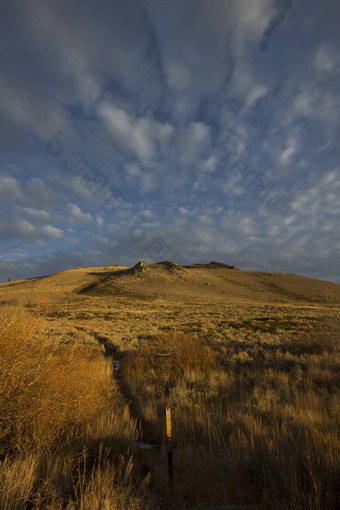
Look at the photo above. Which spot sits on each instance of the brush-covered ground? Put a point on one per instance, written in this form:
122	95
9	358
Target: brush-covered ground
248	361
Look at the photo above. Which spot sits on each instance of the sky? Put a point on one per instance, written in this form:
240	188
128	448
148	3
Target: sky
154	130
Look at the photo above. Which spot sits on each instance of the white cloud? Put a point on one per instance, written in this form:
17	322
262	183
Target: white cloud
52	232
10	189
258	92
17	227
183	210
314	102
289	151
24	228
147	214
78	217
327	59
37	215
211	163
139	135
32	194
331	177
253	17
100	221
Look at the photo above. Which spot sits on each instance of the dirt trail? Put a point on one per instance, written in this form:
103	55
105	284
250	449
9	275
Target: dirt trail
151	452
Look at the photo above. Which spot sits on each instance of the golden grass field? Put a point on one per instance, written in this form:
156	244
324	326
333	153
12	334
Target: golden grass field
248	361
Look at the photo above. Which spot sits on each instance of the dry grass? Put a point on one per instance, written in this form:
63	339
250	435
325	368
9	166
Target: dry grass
63	425
50	394
314	342
171	356
60	481
251	427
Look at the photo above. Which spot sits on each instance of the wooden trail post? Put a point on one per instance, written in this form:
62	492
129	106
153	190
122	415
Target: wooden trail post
169	444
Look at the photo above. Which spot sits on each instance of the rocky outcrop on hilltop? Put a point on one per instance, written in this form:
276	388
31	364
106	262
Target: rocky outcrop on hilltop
138	268
211	265
168	265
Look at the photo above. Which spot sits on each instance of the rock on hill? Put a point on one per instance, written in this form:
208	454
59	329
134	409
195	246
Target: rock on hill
142	267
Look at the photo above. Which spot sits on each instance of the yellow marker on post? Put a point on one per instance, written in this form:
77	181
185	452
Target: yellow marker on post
169	444
168	422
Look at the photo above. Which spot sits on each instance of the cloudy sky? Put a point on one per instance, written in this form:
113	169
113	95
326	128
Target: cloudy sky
152	130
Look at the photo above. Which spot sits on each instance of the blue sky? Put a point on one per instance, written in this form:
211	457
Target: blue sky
169	130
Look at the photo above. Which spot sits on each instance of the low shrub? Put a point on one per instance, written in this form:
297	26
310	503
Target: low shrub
50	393
314	342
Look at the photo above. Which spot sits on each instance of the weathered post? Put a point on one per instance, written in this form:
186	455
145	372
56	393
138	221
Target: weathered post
169	445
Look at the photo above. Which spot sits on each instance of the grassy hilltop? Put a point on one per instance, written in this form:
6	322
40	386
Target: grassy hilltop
247	360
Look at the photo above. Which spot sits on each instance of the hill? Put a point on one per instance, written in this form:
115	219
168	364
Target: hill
203	283
211	282
120	303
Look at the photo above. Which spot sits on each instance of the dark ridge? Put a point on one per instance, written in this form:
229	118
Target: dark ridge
211	265
167	264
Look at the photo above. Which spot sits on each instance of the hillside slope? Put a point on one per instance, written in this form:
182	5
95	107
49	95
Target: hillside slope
201	283
210	283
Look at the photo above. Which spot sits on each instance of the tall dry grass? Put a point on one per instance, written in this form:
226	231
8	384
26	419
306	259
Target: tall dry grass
63	425
50	394
258	424
71	481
